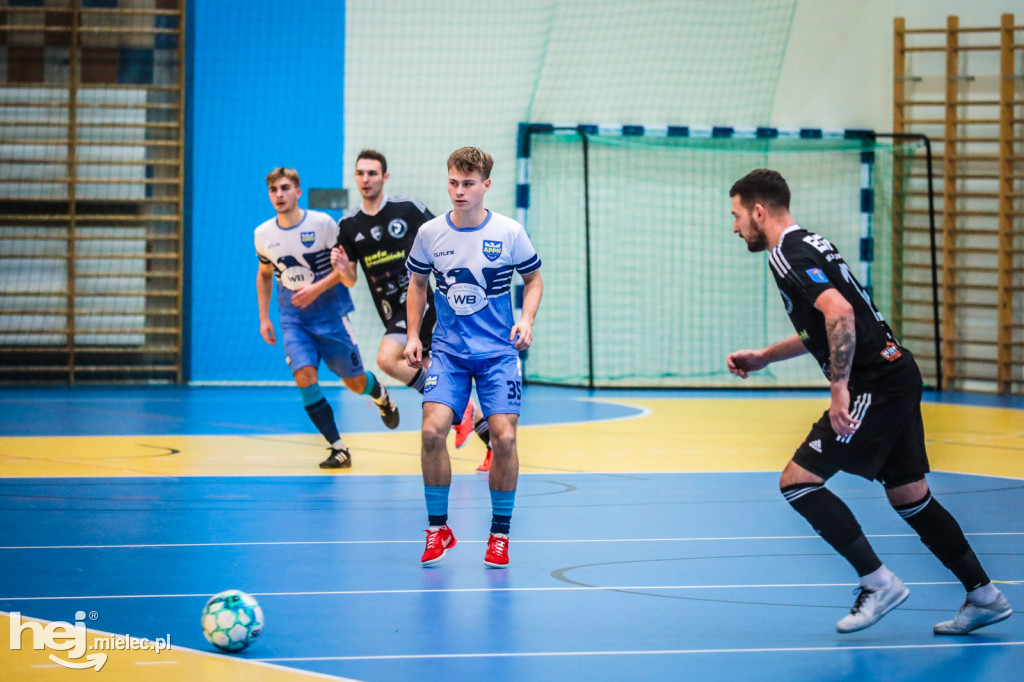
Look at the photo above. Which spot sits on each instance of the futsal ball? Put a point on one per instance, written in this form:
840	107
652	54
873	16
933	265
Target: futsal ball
232	620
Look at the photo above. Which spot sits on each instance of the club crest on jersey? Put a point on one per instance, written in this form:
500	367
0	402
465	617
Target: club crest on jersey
817	275
492	249
787	301
430	383
376	232
397	228
307	238
891	351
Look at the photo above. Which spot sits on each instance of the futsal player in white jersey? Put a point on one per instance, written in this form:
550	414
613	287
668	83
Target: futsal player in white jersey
295	247
472	253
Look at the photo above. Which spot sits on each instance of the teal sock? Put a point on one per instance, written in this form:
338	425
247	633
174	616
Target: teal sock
502	502
437	504
373	387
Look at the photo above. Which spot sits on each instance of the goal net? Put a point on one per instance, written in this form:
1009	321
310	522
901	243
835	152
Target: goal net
645	284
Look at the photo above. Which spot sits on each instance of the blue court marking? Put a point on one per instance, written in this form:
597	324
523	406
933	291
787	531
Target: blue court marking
89	411
178	411
614	576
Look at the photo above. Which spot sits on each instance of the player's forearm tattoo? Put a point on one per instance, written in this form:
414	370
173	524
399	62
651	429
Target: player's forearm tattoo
842	339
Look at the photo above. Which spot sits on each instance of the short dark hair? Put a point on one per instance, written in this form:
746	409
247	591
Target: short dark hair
471	159
762	186
374	155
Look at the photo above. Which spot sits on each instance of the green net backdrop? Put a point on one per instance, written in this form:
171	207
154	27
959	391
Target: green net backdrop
672	291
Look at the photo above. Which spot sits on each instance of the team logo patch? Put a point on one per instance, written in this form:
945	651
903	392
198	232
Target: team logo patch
376	232
817	275
787	301
397	228
891	351
430	383
307	238
492	249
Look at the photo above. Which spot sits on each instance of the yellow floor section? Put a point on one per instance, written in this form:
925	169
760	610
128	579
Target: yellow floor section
173	665
676	435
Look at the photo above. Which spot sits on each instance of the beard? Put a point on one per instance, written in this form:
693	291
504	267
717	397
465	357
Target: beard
757	241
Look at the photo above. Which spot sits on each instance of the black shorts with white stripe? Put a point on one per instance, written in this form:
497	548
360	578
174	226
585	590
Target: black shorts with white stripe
888	446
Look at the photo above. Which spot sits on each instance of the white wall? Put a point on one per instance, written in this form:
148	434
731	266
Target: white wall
838	67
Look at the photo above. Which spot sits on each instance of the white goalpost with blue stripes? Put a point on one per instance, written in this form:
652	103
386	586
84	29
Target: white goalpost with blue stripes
646	287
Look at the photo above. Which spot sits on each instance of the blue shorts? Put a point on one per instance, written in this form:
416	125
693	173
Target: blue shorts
499	383
306	343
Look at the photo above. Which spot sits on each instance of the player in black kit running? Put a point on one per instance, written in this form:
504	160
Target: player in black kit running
873	427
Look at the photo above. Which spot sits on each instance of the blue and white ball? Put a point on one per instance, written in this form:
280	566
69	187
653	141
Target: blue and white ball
232	620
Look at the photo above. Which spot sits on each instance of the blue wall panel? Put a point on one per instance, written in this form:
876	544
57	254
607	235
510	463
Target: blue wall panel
267	87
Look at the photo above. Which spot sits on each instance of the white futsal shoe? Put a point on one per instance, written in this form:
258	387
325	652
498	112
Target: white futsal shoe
871	605
973	616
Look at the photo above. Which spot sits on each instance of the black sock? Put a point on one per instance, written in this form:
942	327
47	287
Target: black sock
437	520
322	416
418	381
483	430
834	522
501	524
942	535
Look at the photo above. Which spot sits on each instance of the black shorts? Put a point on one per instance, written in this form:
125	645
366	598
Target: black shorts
397	325
888	446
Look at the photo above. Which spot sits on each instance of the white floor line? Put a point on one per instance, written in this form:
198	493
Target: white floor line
655	652
556	588
526	541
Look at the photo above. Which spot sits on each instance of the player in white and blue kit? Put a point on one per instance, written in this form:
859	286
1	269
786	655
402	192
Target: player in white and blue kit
295	248
472	253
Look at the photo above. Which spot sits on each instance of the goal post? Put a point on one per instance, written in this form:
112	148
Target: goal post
645	284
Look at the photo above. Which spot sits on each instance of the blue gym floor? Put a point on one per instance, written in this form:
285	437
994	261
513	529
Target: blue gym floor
616	573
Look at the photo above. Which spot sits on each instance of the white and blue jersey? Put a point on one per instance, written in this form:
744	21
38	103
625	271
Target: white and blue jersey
301	255
473	270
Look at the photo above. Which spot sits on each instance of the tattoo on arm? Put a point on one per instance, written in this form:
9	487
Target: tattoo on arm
842	339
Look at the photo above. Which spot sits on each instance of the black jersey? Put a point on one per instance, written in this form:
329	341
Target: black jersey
806	264
381	244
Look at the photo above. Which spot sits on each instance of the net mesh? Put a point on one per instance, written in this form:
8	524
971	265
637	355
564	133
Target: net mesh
658	290
432	78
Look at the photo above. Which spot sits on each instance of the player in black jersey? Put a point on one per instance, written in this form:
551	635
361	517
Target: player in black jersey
873	427
378	235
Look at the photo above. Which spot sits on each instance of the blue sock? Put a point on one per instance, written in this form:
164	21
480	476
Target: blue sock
320	412
502	502
437	504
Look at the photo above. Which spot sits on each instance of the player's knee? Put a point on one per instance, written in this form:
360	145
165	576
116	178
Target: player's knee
433	439
388	362
902	493
503	443
355	384
305	376
794	474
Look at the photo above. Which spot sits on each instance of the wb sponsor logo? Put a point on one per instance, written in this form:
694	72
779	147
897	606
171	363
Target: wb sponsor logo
466	299
492	249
